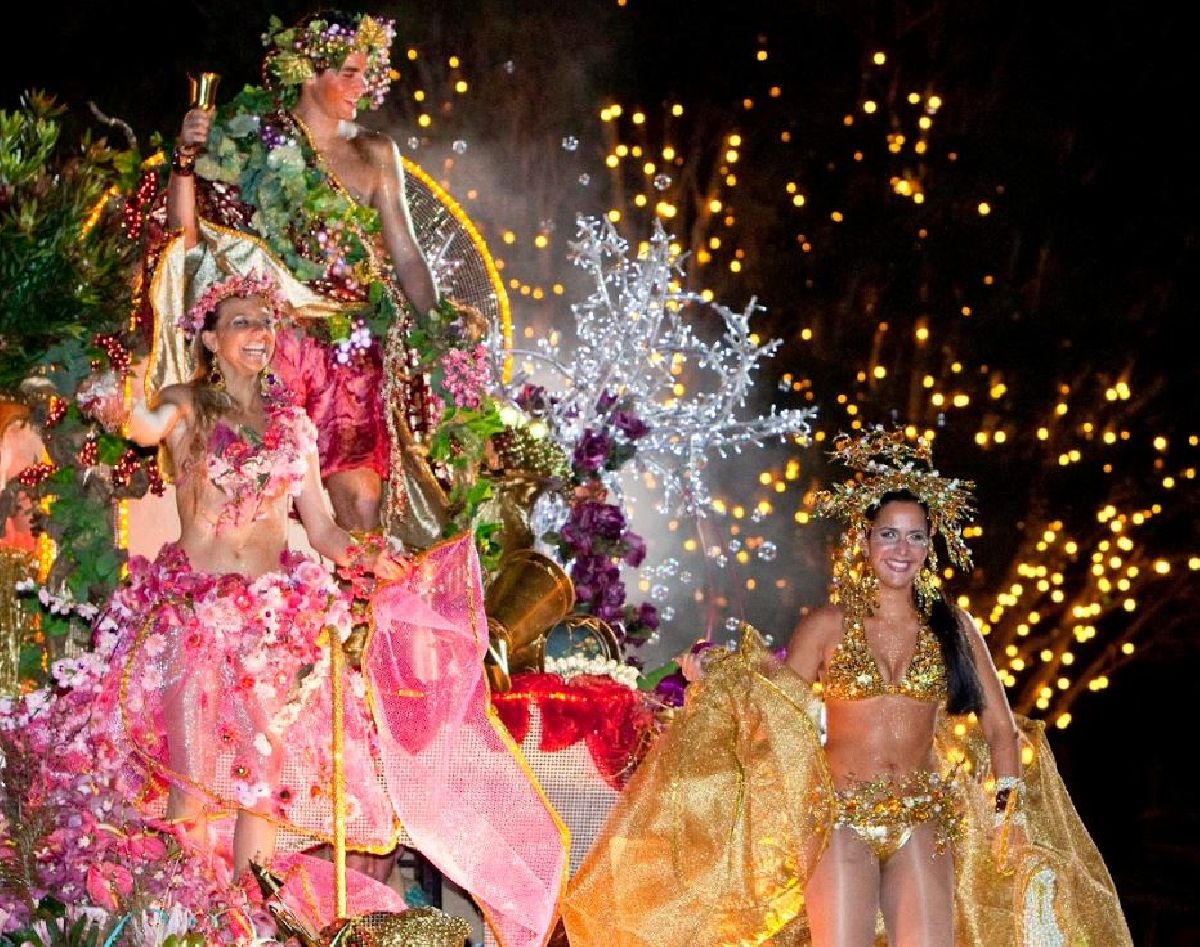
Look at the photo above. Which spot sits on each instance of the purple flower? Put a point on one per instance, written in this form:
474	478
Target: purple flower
637	548
577	539
630	424
592	450
605	401
599	520
614	597
671	688
608	613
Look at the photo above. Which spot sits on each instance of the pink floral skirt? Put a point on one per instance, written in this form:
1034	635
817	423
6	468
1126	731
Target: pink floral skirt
220	687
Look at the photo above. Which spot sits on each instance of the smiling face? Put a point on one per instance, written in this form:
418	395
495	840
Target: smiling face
338	92
898	543
243	336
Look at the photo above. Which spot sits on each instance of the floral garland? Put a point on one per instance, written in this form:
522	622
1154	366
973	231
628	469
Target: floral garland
254	284
250	468
596	538
325	237
299	52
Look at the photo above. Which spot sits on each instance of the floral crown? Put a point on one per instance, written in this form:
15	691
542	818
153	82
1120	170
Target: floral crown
887	462
299	52
237	285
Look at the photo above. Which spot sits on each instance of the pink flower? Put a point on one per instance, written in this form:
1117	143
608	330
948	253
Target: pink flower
466	375
106	883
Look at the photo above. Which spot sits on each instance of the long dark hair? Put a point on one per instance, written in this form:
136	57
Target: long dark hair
964	693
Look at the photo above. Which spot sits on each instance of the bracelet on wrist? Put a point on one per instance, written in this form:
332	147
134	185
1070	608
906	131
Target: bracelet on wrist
1006	786
183	162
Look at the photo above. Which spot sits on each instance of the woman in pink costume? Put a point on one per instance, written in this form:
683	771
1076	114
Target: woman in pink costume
221	640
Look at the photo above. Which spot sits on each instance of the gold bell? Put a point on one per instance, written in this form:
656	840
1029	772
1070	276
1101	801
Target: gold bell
202	90
530	595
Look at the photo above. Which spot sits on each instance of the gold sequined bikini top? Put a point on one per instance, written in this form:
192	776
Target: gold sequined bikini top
853	673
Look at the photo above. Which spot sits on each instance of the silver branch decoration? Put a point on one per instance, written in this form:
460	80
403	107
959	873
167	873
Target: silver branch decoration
633	340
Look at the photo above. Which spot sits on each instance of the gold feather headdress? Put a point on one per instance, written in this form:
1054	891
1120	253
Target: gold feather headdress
887	462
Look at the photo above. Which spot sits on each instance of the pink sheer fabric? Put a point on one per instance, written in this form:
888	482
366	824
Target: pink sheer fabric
308	891
344	401
459	784
220	685
204	695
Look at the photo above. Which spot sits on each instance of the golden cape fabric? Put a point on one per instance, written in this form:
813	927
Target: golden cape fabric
713	839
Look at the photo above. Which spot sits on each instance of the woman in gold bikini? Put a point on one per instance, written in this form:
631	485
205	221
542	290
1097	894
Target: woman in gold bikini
885	673
875	788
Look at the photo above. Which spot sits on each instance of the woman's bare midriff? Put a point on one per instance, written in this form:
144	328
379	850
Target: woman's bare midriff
251	547
888	736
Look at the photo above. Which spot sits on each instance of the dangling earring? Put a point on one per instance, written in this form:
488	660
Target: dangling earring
927	585
266	383
857	588
215	378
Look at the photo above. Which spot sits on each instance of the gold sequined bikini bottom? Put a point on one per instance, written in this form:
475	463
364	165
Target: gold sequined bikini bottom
884	811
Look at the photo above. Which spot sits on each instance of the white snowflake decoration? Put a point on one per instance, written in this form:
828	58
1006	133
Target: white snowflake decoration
630	333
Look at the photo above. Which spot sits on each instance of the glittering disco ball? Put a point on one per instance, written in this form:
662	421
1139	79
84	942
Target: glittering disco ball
461	264
584	635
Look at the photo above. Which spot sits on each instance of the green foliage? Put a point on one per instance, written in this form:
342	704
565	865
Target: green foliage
65	267
60	930
64	263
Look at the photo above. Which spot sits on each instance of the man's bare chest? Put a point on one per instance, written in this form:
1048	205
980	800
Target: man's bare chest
352	170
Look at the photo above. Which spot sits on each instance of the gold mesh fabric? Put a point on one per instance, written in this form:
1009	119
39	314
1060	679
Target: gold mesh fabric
1058	890
415	927
711	841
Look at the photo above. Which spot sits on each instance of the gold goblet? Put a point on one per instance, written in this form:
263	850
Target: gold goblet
202	90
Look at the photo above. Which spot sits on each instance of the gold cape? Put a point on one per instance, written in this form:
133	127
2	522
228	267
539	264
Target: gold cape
712	840
182	276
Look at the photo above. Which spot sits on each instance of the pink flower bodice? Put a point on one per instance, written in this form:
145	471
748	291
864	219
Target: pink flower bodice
252	469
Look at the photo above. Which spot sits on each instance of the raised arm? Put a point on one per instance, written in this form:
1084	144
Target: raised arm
181	185
391	202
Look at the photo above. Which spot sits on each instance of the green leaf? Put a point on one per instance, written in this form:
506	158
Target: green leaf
650	679
110	448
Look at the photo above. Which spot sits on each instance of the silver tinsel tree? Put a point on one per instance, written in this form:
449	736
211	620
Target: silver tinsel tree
634	340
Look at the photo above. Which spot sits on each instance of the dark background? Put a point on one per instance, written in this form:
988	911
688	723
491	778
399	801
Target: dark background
1091	122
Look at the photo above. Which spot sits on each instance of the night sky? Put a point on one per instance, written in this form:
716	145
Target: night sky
1089	109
